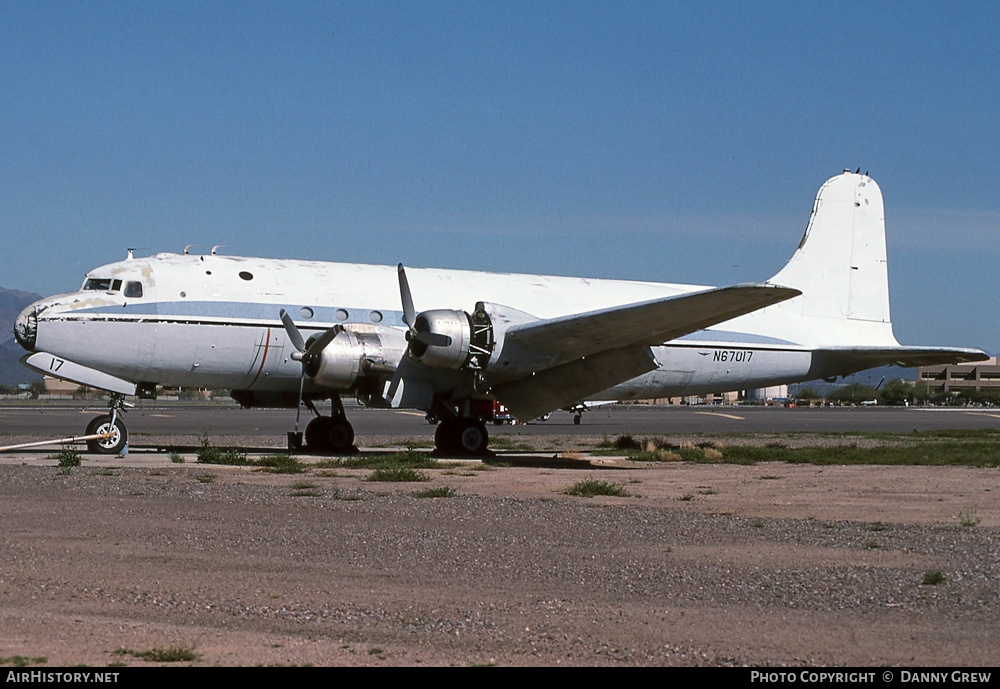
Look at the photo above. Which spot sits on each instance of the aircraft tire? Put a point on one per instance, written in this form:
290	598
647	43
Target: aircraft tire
317	437
114	443
340	435
446	437
473	438
576	420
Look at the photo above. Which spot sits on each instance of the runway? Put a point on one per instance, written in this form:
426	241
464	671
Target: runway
26	423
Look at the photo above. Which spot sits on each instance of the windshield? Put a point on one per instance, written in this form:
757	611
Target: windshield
103	284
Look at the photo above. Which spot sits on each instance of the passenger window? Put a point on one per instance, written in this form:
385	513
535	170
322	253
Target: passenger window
133	290
116	285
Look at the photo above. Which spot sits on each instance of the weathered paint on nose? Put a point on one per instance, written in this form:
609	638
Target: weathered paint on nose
26	327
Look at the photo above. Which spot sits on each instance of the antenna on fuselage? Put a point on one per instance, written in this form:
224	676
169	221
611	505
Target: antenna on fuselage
187	249
217	247
130	255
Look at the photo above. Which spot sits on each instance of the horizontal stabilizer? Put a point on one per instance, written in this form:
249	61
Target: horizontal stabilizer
846	360
60	367
645	323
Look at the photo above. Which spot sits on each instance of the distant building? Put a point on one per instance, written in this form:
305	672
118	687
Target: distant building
983	376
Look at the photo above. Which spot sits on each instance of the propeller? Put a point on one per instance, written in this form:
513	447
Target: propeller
305	354
424	339
410	316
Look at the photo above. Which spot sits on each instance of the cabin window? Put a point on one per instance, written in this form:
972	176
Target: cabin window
375	316
116	285
133	290
341	315
306	313
245	275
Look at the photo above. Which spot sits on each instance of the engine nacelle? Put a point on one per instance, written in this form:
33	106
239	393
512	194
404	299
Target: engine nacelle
347	357
457	326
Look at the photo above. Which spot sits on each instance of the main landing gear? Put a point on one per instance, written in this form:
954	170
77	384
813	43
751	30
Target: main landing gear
111	427
462	437
332	434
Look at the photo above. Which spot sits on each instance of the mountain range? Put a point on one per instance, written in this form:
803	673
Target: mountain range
12	301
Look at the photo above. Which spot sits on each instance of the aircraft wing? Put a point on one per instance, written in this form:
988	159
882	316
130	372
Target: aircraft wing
548	364
554	341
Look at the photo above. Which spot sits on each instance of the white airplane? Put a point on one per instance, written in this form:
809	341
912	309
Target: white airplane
282	333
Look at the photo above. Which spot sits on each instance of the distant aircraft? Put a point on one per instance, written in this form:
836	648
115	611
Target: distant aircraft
282	333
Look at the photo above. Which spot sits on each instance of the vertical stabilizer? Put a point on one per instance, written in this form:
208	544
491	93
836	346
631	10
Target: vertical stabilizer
840	265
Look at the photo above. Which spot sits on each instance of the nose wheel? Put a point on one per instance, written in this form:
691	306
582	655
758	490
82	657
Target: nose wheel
115	432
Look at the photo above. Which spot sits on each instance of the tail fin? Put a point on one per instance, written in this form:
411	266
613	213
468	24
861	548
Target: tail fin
840	266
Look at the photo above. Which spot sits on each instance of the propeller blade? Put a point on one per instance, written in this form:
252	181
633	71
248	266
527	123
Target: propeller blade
409	313
320	343
294	336
396	377
432	339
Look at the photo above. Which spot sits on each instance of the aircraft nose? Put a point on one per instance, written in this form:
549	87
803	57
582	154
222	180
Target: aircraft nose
26	327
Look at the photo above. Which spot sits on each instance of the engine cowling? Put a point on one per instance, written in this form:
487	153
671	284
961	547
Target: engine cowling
456	326
348	356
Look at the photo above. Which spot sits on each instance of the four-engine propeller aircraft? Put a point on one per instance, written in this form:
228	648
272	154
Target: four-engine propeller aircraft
284	333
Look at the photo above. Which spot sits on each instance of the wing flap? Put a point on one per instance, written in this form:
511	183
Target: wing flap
560	386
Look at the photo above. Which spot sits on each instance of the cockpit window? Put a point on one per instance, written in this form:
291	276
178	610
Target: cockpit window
99	284
133	290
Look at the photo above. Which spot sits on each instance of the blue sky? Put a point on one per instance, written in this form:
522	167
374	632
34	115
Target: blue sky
667	141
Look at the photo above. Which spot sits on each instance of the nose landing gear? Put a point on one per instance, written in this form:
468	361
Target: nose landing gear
111	427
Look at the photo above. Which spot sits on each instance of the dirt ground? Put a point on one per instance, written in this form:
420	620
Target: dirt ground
772	564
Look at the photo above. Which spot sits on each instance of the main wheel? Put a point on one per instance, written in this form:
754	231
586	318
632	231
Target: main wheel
330	434
317	434
116	440
340	435
445	437
473	438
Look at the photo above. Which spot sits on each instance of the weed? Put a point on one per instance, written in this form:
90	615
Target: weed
503	442
279	464
208	454
105	472
757	524
872	544
68	457
172	654
877	526
176	458
23	661
442	492
592	487
705	490
687	497
302	485
205	478
968	519
769	477
933	577
622	442
397	475
410	459
711	454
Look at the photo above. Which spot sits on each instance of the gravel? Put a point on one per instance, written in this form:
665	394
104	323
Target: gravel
704	565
